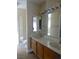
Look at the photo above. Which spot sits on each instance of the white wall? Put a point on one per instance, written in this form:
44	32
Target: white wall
22	23
32	10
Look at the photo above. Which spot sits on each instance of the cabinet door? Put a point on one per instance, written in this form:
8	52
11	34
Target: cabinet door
48	54
40	50
33	45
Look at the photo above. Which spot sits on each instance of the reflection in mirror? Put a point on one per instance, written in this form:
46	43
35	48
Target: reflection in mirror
49	23
37	23
34	24
40	24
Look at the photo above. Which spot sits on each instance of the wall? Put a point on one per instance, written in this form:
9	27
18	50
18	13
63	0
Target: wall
44	18
22	23
32	10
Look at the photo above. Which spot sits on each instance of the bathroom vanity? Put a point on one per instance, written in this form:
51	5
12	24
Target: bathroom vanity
44	49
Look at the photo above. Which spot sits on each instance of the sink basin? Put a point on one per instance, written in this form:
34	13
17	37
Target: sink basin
55	45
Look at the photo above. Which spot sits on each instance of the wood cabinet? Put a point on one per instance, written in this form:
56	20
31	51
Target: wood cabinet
43	52
49	54
40	51
33	45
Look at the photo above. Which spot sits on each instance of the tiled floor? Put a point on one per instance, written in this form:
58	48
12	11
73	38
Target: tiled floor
22	54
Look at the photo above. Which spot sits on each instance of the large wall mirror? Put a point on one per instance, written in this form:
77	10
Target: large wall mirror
51	23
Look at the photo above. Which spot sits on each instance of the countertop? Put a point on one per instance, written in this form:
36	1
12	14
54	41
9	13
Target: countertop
49	43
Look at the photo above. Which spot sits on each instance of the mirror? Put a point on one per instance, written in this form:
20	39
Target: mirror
48	23
51	23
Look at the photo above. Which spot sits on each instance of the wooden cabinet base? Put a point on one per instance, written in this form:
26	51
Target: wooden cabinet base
43	52
48	54
40	51
33	45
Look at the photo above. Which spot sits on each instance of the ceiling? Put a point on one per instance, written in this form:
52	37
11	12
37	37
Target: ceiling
37	1
22	3
32	1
